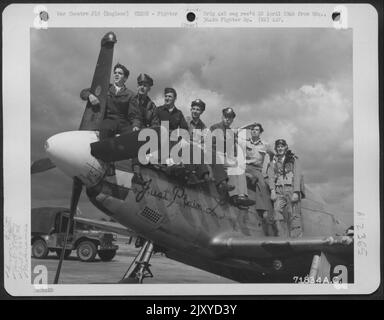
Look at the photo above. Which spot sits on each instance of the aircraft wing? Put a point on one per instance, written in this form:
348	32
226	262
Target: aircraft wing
269	247
108	226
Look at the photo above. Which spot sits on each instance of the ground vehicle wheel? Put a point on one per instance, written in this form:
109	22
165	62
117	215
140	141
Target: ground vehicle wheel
40	249
86	251
107	255
67	253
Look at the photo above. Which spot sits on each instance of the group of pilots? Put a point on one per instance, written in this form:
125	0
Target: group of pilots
127	112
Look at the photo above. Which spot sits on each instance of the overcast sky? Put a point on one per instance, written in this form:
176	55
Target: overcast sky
296	82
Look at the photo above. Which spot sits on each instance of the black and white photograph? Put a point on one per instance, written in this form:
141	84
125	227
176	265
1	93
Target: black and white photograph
117	196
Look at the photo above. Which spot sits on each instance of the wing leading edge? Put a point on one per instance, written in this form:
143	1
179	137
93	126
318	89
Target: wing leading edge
249	247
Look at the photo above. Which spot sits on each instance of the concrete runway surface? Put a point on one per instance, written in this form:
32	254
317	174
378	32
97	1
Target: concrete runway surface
164	270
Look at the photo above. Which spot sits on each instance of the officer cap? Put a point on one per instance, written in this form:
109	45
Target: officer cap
125	70
281	142
200	103
253	125
229	113
144	78
168	90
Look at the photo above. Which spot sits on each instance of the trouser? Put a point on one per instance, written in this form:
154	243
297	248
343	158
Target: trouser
200	169
262	195
109	127
287	211
239	182
236	179
220	174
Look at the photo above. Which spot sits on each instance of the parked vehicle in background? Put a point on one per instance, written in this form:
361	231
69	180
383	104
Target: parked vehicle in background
48	229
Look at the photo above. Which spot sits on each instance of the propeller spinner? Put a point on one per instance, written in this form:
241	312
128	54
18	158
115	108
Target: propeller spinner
71	153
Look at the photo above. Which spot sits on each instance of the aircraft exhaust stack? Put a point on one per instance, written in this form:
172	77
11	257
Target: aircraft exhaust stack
71	153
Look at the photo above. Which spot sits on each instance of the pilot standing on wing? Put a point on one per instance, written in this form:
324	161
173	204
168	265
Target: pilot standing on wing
234	185
258	151
285	180
120	108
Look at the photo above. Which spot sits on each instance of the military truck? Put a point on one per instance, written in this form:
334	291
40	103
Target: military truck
48	229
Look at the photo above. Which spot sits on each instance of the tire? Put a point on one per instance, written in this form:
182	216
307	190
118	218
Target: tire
67	253
107	255
40	249
86	251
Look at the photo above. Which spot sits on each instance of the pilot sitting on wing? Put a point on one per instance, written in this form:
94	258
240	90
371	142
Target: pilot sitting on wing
196	128
169	112
120	106
145	117
172	116
234	184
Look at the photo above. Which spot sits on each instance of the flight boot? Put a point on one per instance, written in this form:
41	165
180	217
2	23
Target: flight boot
279	229
137	177
242	200
223	187
192	179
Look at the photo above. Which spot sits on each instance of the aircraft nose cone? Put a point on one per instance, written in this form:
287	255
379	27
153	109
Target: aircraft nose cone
71	153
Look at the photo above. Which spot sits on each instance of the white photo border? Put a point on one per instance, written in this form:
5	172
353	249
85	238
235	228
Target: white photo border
17	21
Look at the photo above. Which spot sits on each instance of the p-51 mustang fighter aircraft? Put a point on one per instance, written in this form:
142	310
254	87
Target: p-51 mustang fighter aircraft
188	223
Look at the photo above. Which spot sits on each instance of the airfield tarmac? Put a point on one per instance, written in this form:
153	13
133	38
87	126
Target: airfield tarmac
164	270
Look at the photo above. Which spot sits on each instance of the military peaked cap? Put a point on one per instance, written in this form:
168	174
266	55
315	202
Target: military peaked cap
228	112
281	142
144	78
168	90
253	125
200	103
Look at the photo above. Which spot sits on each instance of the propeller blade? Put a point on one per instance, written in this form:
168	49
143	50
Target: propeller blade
77	187
93	115
42	165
